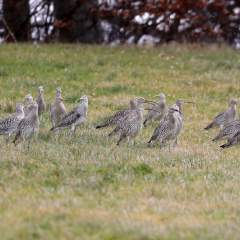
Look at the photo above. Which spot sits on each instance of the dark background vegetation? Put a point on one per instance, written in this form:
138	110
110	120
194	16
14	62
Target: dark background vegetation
120	21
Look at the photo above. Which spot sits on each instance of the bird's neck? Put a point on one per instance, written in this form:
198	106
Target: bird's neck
172	117
162	101
33	114
20	112
180	106
29	101
58	95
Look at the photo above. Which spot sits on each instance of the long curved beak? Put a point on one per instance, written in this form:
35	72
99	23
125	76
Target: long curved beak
24	100
78	99
156	96
66	100
152	109
190	102
238	104
150	102
176	111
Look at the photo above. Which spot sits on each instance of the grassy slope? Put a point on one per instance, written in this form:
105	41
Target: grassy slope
88	187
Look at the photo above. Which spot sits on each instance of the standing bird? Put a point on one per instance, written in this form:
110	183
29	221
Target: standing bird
131	125
115	119
161	110
57	109
235	140
229	131
28	127
9	125
41	104
30	101
224	118
166	130
75	117
134	103
180	118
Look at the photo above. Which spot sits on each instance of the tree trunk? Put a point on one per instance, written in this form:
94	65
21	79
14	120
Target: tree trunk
16	14
74	21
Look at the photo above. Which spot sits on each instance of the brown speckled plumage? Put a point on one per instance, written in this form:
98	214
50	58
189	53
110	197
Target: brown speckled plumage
9	125
28	126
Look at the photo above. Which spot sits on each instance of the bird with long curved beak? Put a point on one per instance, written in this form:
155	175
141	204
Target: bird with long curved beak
224	118
180	118
75	117
28	127
41	103
166	130
158	115
57	109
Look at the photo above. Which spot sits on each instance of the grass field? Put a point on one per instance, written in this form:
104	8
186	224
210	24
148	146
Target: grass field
89	188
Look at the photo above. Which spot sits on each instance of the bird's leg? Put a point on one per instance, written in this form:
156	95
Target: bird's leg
169	143
120	139
8	138
53	124
29	144
135	143
161	144
40	118
164	143
128	141
24	145
152	124
73	131
175	142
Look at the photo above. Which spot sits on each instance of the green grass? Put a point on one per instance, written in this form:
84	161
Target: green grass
89	188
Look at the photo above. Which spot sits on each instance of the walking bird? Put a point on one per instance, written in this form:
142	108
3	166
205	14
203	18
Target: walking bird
166	130
28	127
57	109
179	119
75	117
224	118
229	131
134	104
9	125
161	110
115	119
41	104
235	140
131	125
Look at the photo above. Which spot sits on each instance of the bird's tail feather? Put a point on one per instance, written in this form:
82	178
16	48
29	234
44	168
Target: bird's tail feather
226	145
209	126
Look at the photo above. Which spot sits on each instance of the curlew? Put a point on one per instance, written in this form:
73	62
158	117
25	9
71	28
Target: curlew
179	119
9	125
28	126
75	117
229	131
224	118
161	110
115	119
235	140
57	109
131	125
41	104
134	103
166	130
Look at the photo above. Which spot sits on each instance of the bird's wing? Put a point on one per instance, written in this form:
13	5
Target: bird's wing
220	116
114	119
7	122
70	118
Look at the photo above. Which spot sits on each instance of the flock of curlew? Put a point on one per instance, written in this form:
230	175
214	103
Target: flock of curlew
128	122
